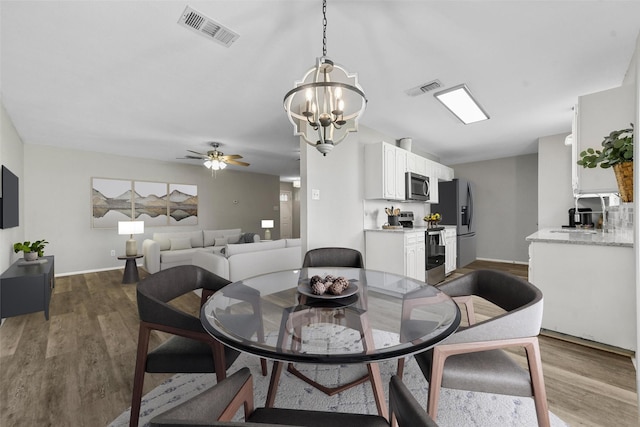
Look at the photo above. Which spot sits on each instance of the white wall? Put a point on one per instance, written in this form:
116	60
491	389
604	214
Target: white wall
341	214
11	156
555	196
335	219
506	205
58	202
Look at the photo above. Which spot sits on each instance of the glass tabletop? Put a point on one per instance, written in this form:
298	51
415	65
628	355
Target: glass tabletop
362	315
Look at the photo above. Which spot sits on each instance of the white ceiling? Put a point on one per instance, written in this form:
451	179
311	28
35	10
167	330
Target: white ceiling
123	77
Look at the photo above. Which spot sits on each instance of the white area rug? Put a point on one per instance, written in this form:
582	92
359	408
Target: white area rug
456	408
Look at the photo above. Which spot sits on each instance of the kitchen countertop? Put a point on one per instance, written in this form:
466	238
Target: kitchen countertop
397	230
405	230
578	236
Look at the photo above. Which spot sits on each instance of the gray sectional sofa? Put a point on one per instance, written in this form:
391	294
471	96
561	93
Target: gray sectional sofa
165	250
238	262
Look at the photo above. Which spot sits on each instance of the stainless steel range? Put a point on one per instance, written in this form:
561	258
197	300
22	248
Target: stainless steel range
406	219
435	253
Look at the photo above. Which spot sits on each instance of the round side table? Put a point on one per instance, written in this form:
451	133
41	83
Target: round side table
130	268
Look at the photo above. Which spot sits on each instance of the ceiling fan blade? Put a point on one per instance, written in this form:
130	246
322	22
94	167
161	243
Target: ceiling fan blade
199	154
231	156
237	163
191	157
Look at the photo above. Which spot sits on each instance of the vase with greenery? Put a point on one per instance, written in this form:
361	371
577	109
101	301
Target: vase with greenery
30	250
616	153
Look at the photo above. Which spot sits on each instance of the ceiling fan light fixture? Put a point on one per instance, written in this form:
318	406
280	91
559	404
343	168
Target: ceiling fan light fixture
462	104
326	104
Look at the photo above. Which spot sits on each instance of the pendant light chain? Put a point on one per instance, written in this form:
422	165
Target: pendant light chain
324	28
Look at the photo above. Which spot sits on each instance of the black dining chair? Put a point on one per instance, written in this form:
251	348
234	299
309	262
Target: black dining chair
190	349
333	257
219	404
330	257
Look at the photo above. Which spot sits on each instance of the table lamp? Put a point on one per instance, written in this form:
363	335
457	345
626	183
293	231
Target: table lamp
131	228
267	224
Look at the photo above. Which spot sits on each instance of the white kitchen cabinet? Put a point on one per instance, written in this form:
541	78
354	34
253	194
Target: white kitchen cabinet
450	249
445	173
596	116
416	164
399	173
432	173
385	165
589	289
396	251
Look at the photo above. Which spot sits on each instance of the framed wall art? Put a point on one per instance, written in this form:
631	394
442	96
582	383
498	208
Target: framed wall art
183	204
155	203
111	202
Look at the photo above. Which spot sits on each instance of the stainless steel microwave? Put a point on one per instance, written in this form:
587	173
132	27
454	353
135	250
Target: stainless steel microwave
416	187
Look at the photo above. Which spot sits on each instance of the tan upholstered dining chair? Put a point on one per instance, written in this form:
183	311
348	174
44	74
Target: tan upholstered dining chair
474	357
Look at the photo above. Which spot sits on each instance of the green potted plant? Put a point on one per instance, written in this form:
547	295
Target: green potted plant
30	250
616	153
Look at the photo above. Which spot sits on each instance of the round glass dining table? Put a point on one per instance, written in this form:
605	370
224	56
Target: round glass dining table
377	316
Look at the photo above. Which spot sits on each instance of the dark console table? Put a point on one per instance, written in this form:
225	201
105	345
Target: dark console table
26	287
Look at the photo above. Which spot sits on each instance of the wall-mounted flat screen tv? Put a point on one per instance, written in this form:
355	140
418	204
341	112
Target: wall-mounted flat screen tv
10	212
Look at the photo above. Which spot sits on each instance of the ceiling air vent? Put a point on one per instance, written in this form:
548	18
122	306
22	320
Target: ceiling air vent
423	88
207	27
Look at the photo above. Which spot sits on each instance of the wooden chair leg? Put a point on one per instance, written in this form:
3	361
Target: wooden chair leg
138	376
435	383
400	369
263	364
537	381
219	361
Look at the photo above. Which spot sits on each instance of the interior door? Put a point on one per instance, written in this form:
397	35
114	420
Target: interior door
286	215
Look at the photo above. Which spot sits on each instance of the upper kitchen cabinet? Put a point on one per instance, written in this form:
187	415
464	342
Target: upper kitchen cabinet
385	168
595	117
445	173
385	165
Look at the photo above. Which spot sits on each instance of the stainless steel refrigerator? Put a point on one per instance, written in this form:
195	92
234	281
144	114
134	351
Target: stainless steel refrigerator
456	200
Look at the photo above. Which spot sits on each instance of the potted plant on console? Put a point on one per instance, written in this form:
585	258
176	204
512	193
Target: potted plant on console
30	250
617	152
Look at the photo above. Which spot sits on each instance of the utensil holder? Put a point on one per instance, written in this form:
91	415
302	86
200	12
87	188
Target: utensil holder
393	219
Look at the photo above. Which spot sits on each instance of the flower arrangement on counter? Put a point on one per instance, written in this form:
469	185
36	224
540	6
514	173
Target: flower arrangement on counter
433	219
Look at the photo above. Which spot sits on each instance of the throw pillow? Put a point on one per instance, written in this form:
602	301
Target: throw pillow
221	241
180	243
233	238
248	237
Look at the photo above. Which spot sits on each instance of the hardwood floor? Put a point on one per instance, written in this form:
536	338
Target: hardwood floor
77	368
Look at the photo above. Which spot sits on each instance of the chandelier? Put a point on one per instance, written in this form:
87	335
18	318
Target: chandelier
326	104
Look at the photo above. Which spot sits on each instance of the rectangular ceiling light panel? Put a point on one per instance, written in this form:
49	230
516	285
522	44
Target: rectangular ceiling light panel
461	103
207	27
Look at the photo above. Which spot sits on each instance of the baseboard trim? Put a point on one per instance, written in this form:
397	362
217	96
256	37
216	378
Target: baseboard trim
97	270
587	343
505	261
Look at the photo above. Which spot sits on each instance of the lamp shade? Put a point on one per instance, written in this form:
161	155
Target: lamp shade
130	227
267	224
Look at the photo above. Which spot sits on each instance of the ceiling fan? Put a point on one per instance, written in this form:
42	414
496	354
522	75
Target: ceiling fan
216	160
